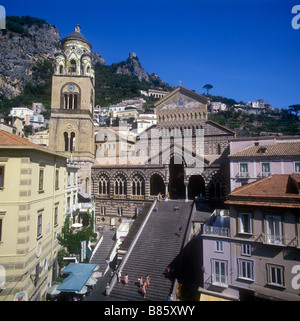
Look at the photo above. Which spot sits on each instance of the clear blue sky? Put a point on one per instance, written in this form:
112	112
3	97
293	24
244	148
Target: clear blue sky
247	49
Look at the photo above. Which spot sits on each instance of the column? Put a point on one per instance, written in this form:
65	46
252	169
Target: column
166	191
186	192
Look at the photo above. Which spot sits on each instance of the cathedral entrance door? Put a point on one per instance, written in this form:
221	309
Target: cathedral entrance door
176	182
196	186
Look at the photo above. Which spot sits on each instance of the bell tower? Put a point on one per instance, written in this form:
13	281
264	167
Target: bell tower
71	128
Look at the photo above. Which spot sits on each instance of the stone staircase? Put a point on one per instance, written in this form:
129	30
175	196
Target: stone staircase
100	256
157	248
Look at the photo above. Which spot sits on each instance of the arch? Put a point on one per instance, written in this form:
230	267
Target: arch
196	186
176	181
70	96
217	187
157	184
73	66
103	184
138	185
120	185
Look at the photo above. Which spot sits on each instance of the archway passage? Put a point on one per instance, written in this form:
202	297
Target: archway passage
176	182
156	185
196	186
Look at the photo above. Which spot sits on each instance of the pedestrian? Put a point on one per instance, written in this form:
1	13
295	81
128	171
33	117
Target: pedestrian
176	208
119	273
126	279
141	282
147	280
180	231
144	290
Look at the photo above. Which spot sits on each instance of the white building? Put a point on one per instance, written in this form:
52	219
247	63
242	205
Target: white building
21	112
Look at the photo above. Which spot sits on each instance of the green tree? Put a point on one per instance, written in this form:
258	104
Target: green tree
295	109
208	87
71	239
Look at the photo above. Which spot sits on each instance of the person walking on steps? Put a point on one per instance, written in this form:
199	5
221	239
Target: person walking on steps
141	282
119	276
126	279
147	281
180	231
144	290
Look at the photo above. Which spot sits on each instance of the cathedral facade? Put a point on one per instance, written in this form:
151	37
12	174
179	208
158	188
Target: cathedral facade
183	156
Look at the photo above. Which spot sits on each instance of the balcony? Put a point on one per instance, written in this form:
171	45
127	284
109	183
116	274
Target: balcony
243	175
219	280
218	224
273	239
266	174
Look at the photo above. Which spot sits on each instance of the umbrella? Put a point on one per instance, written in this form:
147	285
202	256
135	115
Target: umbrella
53	290
91	281
83	290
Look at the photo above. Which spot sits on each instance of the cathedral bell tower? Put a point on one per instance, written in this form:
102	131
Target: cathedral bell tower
71	129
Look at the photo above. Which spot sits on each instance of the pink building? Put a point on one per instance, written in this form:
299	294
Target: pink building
255	158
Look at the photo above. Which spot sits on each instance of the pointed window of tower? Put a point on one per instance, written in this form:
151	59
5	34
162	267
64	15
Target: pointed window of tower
73	67
72	142
66	137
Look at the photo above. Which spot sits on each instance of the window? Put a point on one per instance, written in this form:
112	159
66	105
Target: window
265	169
246	249
103	185
219	246
102	210
245	223
120	211
69	179
297	167
55	216
39	225
41	179
244	170
275	275
120	185
57	179
1	224
138	185
219	276
273	230
246	269
2	176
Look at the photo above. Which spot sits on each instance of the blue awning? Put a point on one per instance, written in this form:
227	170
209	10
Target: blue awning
79	274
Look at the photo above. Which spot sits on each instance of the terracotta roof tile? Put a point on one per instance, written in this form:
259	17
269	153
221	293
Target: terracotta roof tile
278	149
7	139
276	190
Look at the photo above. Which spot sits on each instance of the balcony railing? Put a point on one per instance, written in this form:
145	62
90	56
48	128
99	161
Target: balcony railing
219	280
215	230
243	175
274	239
265	174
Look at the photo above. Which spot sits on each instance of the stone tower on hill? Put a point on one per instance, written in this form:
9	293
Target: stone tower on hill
71	129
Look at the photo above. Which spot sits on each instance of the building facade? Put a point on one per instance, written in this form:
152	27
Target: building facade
182	156
32	202
255	158
253	253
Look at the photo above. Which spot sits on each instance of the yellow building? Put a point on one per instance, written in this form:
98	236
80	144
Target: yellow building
32	207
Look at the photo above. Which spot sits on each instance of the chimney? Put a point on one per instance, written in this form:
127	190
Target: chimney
77	28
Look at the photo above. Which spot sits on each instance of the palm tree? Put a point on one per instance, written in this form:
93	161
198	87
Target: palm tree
208	87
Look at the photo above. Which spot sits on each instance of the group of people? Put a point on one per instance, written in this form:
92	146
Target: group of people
144	284
161	197
119	274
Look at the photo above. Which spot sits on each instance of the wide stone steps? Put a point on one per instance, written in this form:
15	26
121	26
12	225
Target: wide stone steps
103	250
158	247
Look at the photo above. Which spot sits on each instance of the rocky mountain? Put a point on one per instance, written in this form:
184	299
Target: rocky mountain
25	45
28	46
